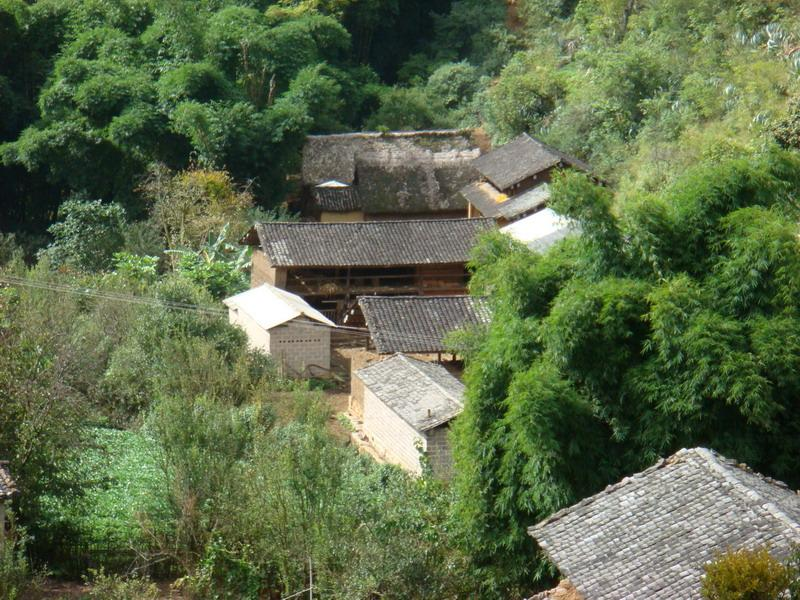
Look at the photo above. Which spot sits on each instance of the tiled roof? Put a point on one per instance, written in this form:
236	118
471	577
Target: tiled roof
650	535
421	393
370	243
491	203
395	172
418	324
7	486
336	198
521	158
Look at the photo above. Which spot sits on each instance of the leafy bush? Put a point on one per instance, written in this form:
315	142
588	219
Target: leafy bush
140	269
16	577
87	236
454	84
746	575
115	587
226	575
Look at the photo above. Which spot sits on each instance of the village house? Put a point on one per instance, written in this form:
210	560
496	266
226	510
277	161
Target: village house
386	176
408	407
330	264
514	179
650	535
284	326
7	491
419	324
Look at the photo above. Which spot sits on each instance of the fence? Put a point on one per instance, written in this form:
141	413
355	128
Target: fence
74	560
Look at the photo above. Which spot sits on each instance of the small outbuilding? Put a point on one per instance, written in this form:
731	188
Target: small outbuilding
7	491
513	181
408	407
285	326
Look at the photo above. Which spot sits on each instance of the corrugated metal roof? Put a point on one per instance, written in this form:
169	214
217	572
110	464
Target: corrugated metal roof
492	203
542	229
270	306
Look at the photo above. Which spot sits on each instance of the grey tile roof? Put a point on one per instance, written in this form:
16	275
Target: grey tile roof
485	198
418	324
421	393
521	158
370	243
337	199
7	486
650	535
395	172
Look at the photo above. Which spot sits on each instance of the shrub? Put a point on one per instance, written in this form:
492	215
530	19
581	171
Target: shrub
15	574
115	587
87	235
745	575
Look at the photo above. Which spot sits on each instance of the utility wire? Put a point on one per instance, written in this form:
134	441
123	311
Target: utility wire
172	305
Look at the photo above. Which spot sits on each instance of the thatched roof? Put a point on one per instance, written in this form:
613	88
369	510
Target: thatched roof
522	158
398	172
650	535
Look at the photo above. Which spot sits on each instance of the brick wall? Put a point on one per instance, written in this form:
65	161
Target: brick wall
439	453
359	360
392	437
257	336
297	346
262	272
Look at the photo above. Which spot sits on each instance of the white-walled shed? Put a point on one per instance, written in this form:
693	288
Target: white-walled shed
285	326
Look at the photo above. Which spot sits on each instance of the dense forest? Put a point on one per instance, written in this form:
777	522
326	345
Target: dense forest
139	139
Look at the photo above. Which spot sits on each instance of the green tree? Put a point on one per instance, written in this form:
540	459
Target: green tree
87	236
689	299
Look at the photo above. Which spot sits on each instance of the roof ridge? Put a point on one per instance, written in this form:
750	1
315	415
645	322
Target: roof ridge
722	467
395	134
384	222
429	378
407	296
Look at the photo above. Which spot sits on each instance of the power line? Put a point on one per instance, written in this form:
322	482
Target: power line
183	306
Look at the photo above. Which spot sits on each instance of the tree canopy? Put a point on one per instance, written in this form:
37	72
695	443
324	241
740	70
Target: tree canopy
672	323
